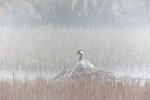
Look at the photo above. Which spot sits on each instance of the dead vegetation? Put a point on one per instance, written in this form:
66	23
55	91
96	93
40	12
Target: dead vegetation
78	73
41	89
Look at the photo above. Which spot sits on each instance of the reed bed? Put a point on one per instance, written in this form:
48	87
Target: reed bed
41	89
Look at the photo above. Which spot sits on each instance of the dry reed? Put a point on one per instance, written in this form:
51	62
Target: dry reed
41	89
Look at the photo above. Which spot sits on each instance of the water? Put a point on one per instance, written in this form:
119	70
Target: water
32	75
133	72
22	75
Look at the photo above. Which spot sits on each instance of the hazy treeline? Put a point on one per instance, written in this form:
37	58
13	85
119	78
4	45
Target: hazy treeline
74	11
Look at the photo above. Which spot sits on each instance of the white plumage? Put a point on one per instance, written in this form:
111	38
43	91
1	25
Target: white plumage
83	63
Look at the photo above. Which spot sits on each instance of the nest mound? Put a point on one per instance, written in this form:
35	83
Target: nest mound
78	73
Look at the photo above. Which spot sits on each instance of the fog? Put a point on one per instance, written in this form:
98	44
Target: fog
48	49
42	38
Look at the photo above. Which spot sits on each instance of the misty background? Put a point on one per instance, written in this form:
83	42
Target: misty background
43	36
75	12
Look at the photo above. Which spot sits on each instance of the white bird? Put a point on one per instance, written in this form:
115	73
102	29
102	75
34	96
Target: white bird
83	63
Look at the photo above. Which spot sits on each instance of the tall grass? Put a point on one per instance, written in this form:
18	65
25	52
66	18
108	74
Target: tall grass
67	90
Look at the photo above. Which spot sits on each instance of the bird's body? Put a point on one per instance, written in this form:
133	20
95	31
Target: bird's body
83	63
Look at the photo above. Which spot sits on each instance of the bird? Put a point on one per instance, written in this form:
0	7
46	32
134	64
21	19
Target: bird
82	64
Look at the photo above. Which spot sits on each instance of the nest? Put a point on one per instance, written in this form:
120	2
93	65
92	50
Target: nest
78	73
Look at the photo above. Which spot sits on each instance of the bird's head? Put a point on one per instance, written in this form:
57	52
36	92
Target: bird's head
81	52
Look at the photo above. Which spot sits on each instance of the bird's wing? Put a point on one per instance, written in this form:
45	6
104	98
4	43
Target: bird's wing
89	64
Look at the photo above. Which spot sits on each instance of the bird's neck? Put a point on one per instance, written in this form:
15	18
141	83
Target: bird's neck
81	57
